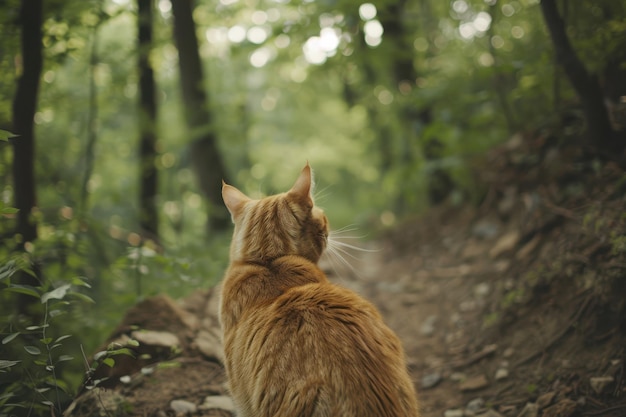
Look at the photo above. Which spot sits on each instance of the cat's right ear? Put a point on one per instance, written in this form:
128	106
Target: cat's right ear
234	200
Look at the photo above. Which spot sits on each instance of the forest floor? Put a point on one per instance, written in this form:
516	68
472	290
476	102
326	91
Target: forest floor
514	308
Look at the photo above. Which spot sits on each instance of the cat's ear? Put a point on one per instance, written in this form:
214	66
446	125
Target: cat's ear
234	200
303	186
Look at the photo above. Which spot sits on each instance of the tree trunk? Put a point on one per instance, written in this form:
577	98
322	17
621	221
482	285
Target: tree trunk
205	155
24	105
586	85
148	175
414	120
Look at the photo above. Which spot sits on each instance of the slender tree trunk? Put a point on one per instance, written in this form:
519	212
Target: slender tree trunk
414	119
205	155
148	175
587	87
24	105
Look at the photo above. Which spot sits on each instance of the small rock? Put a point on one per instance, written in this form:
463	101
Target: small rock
209	343
507	409
183	407
458	376
474	383
222	402
430	380
501	373
508	352
545	400
428	327
564	408
475	405
485	229
489	413
504	244
599	383
155	338
482	289
529	410
453	413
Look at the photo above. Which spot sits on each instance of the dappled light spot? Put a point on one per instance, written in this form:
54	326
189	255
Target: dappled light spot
367	11
486	59
260	57
508	10
133	239
168	160
172	210
460	6
94	183
257	34
282	41
237	34
384	96
165	6
258	17
387	218
49	76
193	200
517	32
373	32
44	116
66	212
497	42
420	44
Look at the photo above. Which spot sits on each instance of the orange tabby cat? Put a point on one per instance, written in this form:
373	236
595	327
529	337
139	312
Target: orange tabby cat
295	344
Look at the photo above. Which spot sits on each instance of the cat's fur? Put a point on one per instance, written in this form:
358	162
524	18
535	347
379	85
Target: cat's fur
295	344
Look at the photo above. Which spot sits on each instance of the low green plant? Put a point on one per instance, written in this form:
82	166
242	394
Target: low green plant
33	354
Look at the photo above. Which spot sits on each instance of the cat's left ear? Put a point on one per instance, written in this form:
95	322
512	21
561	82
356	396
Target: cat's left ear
303	186
234	200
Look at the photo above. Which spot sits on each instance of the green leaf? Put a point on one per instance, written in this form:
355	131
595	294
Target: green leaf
23	289
48	403
31	328
80	282
83	297
110	362
9	338
5	135
9	210
132	342
7	270
46	341
122	351
62	338
65	358
57	293
33	350
4	364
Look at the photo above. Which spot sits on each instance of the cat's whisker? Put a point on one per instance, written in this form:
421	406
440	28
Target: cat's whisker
337	259
320	195
343	251
344	229
341	244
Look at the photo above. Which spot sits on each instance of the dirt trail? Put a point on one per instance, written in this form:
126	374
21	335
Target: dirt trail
510	309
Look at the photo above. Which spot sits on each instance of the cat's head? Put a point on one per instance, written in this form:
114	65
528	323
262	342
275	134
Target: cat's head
278	225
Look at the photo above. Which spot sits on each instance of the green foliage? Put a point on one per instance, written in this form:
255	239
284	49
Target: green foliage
33	354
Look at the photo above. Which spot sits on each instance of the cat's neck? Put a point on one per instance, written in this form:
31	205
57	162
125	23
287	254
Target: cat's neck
248	284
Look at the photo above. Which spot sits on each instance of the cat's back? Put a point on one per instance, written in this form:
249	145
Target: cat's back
328	348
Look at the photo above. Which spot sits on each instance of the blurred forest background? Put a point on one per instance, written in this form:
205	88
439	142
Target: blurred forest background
120	118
